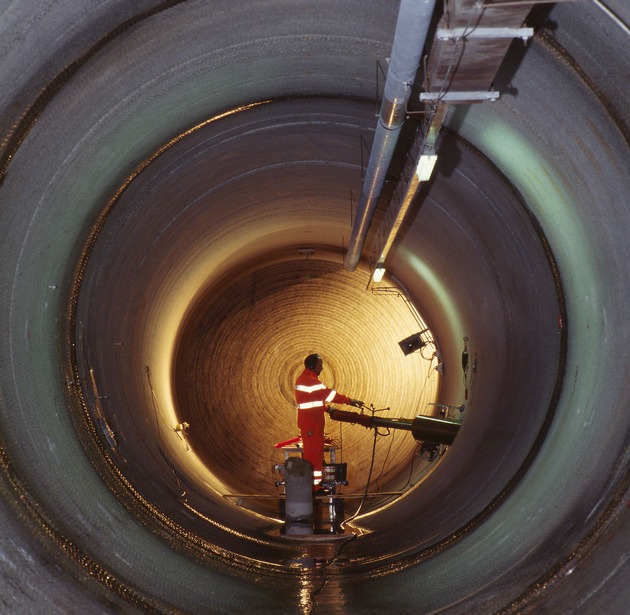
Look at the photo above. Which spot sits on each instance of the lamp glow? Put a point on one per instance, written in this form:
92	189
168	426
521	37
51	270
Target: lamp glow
379	272
425	166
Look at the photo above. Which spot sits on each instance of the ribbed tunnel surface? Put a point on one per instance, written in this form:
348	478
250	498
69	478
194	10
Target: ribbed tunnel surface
260	327
173	231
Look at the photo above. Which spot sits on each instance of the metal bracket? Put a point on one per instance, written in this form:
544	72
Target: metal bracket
458	97
445	34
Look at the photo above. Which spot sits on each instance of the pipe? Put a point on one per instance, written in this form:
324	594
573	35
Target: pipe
414	18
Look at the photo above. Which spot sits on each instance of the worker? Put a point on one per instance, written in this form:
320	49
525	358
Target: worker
312	397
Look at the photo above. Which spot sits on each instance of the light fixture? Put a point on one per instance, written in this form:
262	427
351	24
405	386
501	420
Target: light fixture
412	343
379	272
425	166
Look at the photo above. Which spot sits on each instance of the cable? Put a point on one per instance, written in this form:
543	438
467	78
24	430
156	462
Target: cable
465	366
315	592
156	407
457	54
367	484
471	383
413	460
391	442
322	570
612	15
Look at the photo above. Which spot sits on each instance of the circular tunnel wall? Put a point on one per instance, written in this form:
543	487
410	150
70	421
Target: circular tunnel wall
195	195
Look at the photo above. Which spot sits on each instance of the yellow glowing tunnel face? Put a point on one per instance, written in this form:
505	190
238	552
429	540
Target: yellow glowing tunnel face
230	305
244	347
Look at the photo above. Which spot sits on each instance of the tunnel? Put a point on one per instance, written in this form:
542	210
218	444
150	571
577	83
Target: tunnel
178	185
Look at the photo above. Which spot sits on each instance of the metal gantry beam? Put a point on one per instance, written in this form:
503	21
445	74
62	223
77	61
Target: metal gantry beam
423	148
470	43
414	19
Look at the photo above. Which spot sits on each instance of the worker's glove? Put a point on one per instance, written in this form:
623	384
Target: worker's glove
356	403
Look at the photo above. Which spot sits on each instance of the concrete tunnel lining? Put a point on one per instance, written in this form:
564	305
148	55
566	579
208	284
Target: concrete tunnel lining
163	246
592	246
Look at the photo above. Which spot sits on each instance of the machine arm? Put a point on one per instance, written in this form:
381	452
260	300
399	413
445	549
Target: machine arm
423	428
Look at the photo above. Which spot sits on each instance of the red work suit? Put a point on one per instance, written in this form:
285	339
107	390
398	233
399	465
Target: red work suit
312	398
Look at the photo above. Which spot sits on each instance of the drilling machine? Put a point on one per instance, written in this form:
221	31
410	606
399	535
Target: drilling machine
303	512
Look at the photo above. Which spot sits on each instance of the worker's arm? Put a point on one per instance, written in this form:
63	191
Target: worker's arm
337	398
